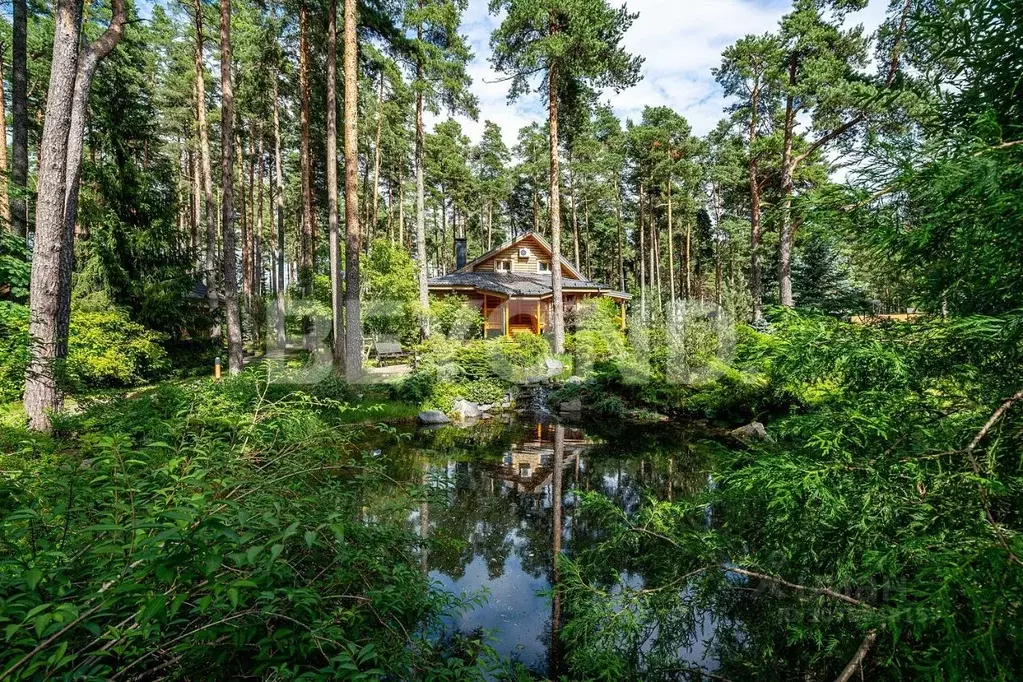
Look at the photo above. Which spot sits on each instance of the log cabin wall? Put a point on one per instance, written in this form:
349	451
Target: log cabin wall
528	265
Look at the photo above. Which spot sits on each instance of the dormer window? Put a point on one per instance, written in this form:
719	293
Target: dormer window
503	266
543	266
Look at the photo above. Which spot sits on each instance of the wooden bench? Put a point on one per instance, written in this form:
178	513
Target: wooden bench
388	350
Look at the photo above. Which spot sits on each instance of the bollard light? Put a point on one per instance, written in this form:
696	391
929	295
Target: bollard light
216	368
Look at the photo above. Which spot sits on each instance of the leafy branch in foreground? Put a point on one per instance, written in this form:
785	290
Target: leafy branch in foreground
208	525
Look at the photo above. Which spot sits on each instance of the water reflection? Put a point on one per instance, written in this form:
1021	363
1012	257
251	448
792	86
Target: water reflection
503	503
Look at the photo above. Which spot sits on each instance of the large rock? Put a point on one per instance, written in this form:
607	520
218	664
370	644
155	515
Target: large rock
553	366
433	417
574	380
753	432
571	406
465	409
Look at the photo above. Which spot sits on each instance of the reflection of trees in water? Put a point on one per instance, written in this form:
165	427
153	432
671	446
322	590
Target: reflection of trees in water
494	493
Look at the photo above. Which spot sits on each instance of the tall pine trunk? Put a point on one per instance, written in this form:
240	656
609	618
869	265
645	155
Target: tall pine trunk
642	257
353	312
337	321
558	304
787	169
234	323
210	259
47	345
424	292
621	235
246	233
259	325
756	235
57	206
671	253
376	155
5	207
279	210
89	57
19	119
307	248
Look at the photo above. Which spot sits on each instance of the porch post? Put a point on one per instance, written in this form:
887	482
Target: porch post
507	323
538	318
486	317
622	306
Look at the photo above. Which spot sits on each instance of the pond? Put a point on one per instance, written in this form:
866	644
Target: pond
504	501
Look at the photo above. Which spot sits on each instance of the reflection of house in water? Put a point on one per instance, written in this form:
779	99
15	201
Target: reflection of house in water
528	467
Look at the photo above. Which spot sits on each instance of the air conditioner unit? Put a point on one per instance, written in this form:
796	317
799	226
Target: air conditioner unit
523	253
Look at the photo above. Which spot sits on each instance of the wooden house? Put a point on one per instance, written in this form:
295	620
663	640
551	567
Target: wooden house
512	286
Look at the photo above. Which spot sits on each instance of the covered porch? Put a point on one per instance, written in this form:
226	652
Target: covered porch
504	316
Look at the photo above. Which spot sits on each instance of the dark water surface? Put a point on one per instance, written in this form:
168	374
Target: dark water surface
504	501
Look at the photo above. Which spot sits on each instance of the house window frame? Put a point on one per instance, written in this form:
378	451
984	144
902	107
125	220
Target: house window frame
503	266
540	267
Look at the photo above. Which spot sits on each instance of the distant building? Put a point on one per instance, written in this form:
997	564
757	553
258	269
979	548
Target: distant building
512	285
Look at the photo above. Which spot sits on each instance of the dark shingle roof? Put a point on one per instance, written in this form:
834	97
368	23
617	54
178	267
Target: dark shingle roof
516	284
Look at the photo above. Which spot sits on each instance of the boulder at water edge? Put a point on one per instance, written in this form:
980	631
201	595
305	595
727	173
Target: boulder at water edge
432	417
753	432
464	409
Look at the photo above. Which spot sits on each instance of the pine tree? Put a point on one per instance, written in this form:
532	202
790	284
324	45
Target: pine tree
441	56
577	45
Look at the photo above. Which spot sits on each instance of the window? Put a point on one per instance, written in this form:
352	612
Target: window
503	266
543	266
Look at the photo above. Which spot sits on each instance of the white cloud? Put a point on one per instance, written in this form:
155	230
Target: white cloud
680	40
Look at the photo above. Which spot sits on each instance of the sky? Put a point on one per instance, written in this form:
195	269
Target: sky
681	41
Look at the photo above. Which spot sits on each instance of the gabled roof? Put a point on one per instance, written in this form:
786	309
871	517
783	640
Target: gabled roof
512	242
518	284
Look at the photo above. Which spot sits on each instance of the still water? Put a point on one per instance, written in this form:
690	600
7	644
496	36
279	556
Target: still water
504	501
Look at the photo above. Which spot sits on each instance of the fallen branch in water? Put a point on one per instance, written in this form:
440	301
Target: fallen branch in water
823	591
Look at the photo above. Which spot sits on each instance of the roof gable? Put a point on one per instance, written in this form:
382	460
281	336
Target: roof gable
510	249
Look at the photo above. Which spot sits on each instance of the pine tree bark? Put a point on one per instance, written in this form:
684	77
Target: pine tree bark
756	234
196	203
19	119
621	236
210	260
376	153
57	208
572	203
282	339
307	249
89	57
558	303
642	256
246	234
689	263
787	170
671	253
47	346
234	323
353	247
5	208
336	307
258	327
424	292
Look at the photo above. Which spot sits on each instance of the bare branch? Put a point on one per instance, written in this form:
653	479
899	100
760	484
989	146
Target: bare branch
857	660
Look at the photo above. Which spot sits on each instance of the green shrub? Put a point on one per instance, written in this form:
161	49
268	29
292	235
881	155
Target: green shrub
453	316
13	350
416	387
105	349
391	302
599	336
172	530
